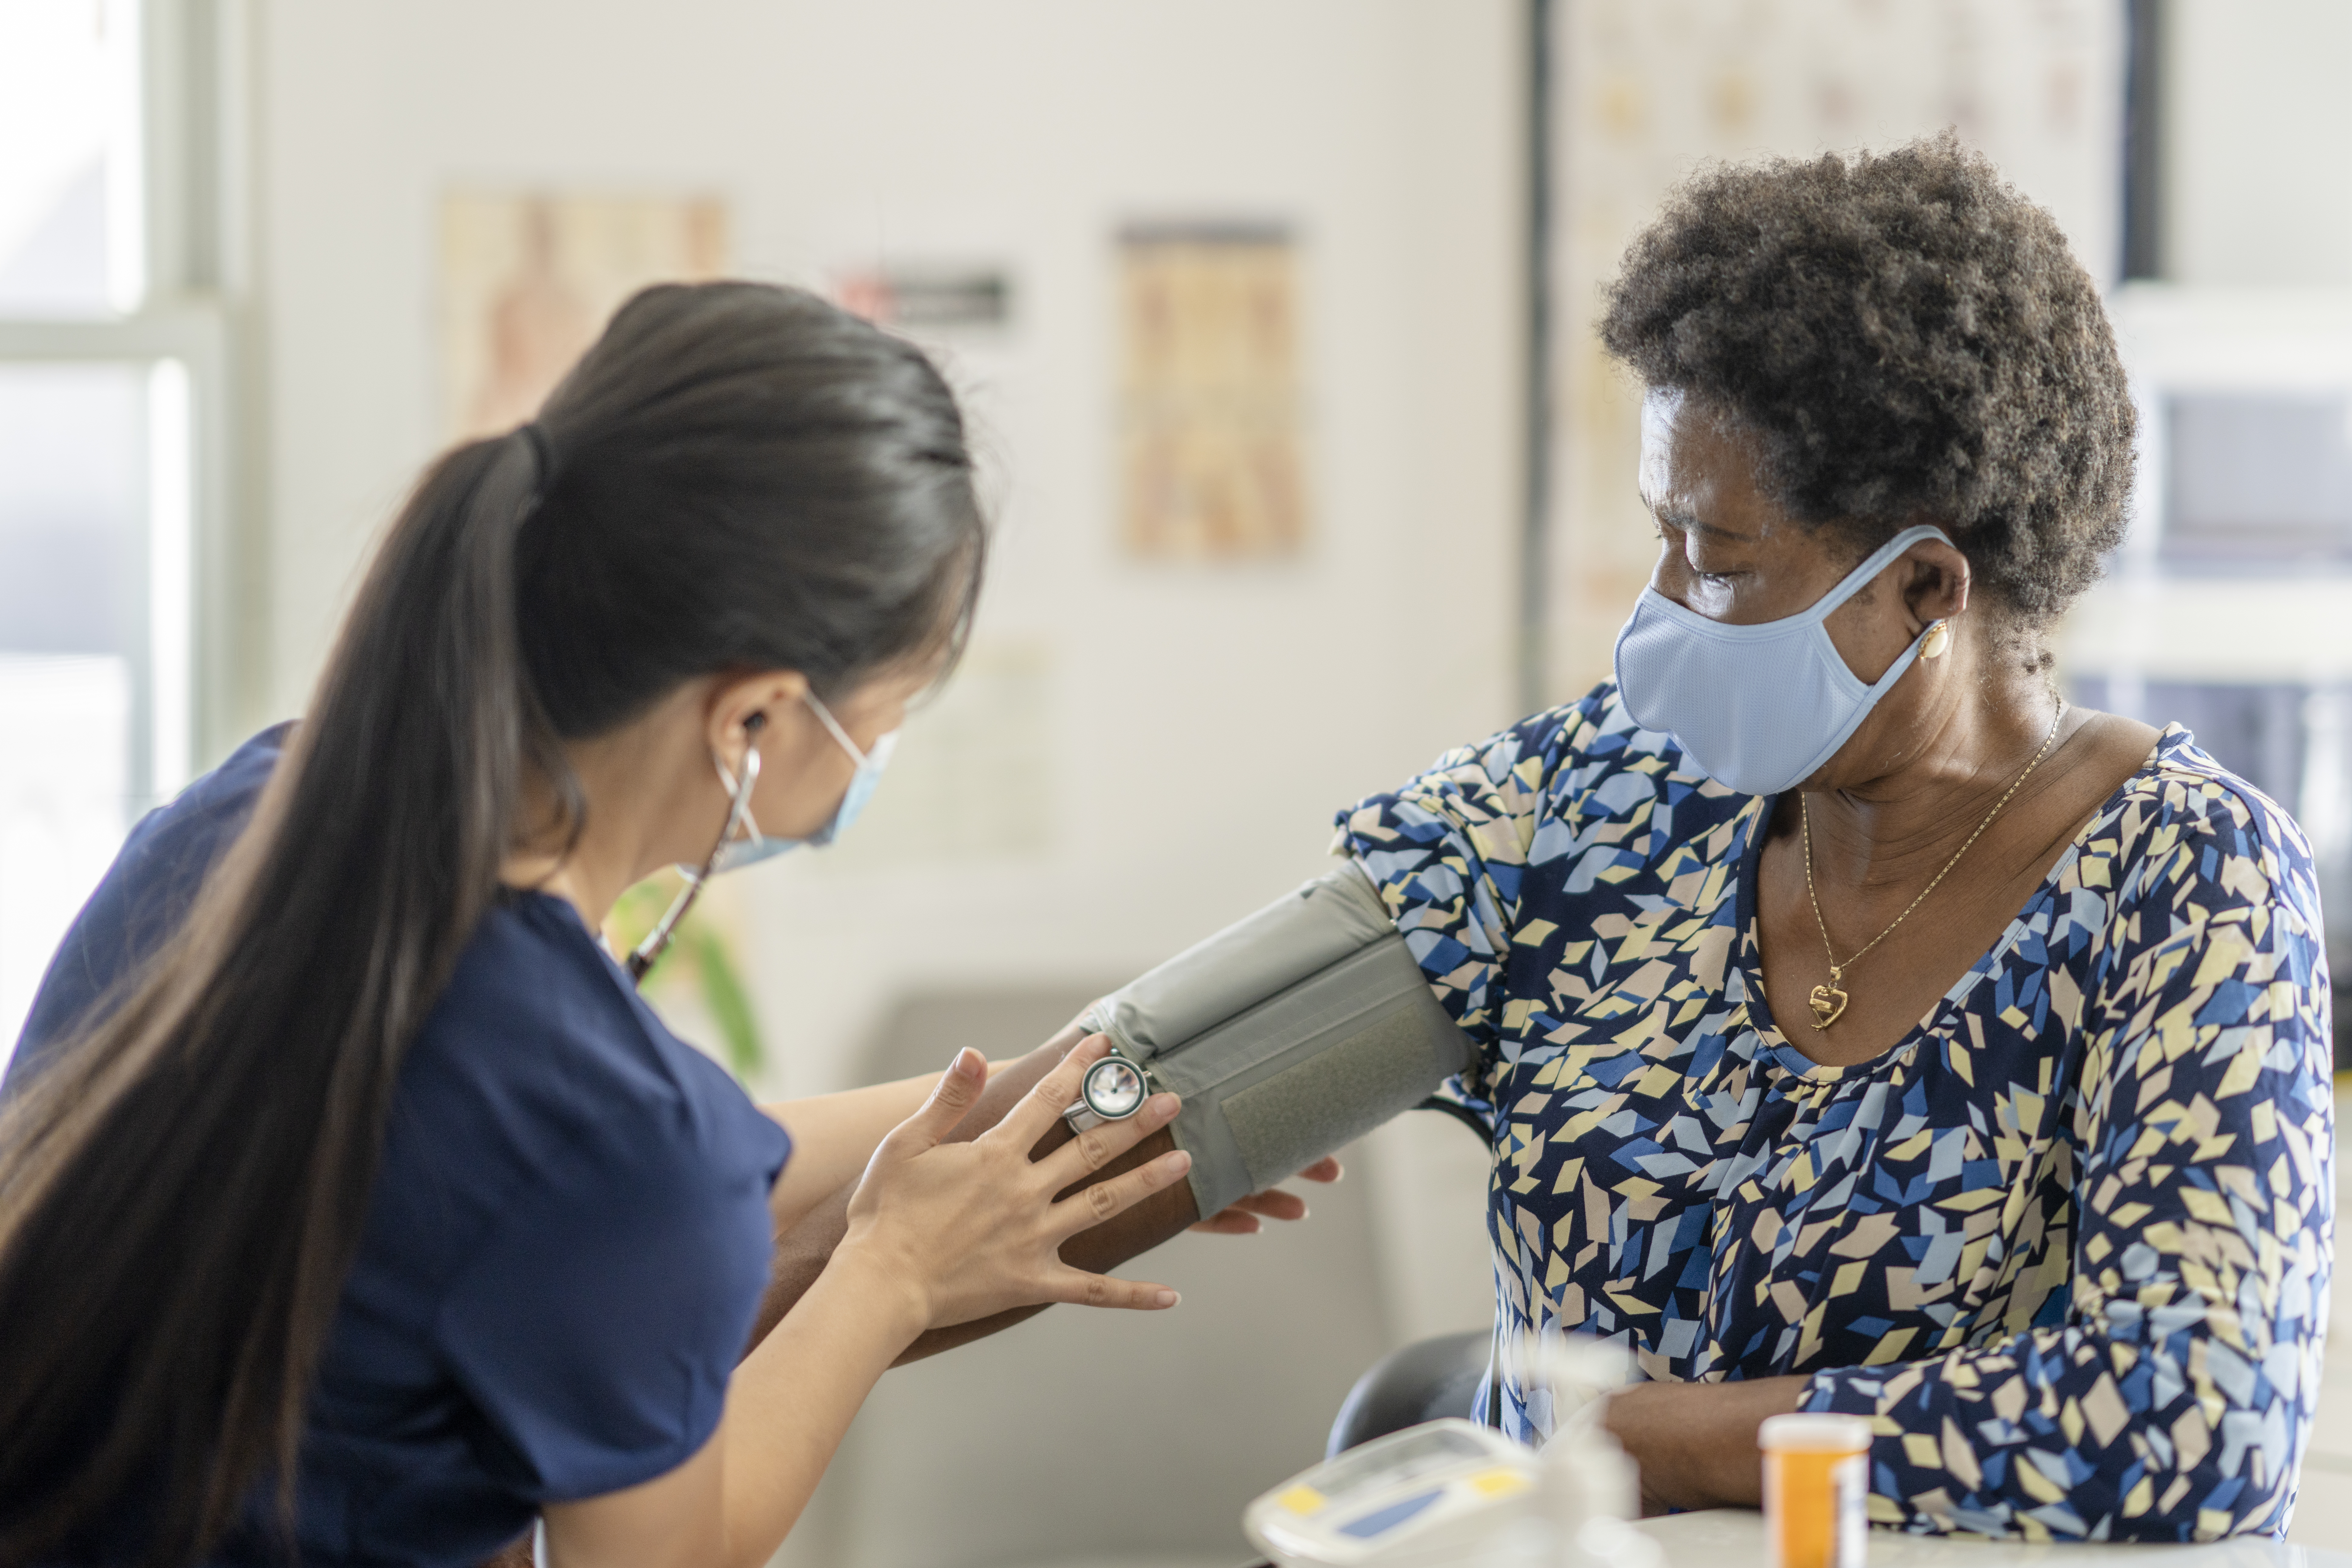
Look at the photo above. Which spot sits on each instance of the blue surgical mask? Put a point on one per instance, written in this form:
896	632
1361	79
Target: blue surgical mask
753	847
1758	708
870	763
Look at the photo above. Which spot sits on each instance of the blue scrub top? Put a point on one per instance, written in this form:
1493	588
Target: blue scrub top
568	1239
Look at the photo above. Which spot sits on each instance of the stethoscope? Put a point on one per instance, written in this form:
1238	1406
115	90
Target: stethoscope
738	812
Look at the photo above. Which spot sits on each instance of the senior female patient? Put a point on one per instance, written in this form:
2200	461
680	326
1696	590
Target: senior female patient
357	1210
1863	1028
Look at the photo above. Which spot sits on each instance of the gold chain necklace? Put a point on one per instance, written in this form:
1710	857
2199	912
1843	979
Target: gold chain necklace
1829	1002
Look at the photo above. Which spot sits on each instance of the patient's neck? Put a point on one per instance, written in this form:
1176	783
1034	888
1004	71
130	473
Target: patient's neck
1924	770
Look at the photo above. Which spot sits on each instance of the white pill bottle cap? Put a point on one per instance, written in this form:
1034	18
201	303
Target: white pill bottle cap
1813	1433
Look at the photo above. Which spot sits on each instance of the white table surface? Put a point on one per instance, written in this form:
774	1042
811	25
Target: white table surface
1733	1538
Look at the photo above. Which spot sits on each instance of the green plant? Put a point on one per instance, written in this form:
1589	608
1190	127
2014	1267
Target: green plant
699	965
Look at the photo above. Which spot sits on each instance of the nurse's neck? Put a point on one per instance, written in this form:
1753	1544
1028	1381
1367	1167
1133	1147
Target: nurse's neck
647	794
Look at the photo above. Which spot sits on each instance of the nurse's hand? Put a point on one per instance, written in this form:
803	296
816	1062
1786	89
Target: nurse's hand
975	1229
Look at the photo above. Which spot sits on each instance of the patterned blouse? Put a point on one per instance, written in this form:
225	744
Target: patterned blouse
2068	1242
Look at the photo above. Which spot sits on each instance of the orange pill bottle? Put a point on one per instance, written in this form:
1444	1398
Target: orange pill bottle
1816	1490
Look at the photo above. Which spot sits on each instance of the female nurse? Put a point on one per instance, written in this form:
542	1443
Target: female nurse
1862	1027
371	1213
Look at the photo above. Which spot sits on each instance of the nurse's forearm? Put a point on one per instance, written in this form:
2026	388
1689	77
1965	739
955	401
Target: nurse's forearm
788	1406
803	1248
834	1135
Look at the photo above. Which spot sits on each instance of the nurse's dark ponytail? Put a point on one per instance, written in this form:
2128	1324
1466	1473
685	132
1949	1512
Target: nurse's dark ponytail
735	477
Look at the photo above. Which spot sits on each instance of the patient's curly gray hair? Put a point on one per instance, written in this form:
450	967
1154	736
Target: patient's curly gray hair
1902	338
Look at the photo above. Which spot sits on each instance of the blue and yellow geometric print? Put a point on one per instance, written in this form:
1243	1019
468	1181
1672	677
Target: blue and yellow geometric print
2068	1244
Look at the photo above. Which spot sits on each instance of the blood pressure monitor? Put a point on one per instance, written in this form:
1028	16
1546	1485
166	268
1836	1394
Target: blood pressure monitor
1437	1493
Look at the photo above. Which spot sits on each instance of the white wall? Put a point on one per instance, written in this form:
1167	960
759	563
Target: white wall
1205	722
2257	191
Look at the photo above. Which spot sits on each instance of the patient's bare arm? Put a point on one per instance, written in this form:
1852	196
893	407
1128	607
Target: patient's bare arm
803	1251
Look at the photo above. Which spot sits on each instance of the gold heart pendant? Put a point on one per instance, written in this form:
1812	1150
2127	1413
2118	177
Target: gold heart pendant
1829	1006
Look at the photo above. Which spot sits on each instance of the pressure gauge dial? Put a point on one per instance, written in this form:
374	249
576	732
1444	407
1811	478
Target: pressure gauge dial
1113	1090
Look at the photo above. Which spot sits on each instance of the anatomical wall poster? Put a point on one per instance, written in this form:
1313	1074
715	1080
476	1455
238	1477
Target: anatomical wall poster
529	280
1210	466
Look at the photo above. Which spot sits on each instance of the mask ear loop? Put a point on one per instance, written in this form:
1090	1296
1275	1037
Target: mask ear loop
738	811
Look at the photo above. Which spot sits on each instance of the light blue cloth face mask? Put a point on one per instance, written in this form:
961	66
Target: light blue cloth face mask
733	853
1757	708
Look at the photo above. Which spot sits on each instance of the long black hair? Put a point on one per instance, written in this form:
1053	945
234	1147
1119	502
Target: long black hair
735	477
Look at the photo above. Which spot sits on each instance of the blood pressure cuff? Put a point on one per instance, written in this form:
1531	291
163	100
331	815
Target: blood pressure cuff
1287	1033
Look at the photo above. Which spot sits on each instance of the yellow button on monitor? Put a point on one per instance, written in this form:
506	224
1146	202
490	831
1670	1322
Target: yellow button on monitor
1500	1482
1301	1499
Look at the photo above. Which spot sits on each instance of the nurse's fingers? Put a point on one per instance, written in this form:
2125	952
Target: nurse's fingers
1099	1145
955	1094
1043	1106
1083	1289
1085	1210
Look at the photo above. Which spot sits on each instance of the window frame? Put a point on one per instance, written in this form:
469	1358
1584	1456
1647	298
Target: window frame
197	338
191	94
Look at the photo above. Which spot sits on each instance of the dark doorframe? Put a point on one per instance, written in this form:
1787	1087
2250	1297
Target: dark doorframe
1539	478
2143	214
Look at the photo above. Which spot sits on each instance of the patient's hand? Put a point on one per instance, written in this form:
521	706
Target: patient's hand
1246	1217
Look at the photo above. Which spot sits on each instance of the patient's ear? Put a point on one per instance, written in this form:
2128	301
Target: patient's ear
1936	587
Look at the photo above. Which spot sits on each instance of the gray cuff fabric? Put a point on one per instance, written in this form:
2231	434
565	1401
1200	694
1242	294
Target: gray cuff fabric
1287	1033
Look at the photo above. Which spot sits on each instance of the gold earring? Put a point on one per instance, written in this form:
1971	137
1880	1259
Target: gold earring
1940	641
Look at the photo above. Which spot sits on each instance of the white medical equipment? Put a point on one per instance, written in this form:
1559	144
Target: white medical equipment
1456	1493
1435	1493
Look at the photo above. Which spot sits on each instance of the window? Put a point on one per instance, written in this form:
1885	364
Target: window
71	234
112	370
2256	479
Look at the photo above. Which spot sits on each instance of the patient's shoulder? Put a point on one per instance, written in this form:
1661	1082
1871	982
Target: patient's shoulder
1581	767
1586	760
2186	835
2183	813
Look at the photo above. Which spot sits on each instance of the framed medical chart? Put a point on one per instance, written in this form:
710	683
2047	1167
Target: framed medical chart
529	278
1210	411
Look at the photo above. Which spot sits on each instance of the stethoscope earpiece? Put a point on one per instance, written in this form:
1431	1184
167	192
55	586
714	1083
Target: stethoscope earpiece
738	812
